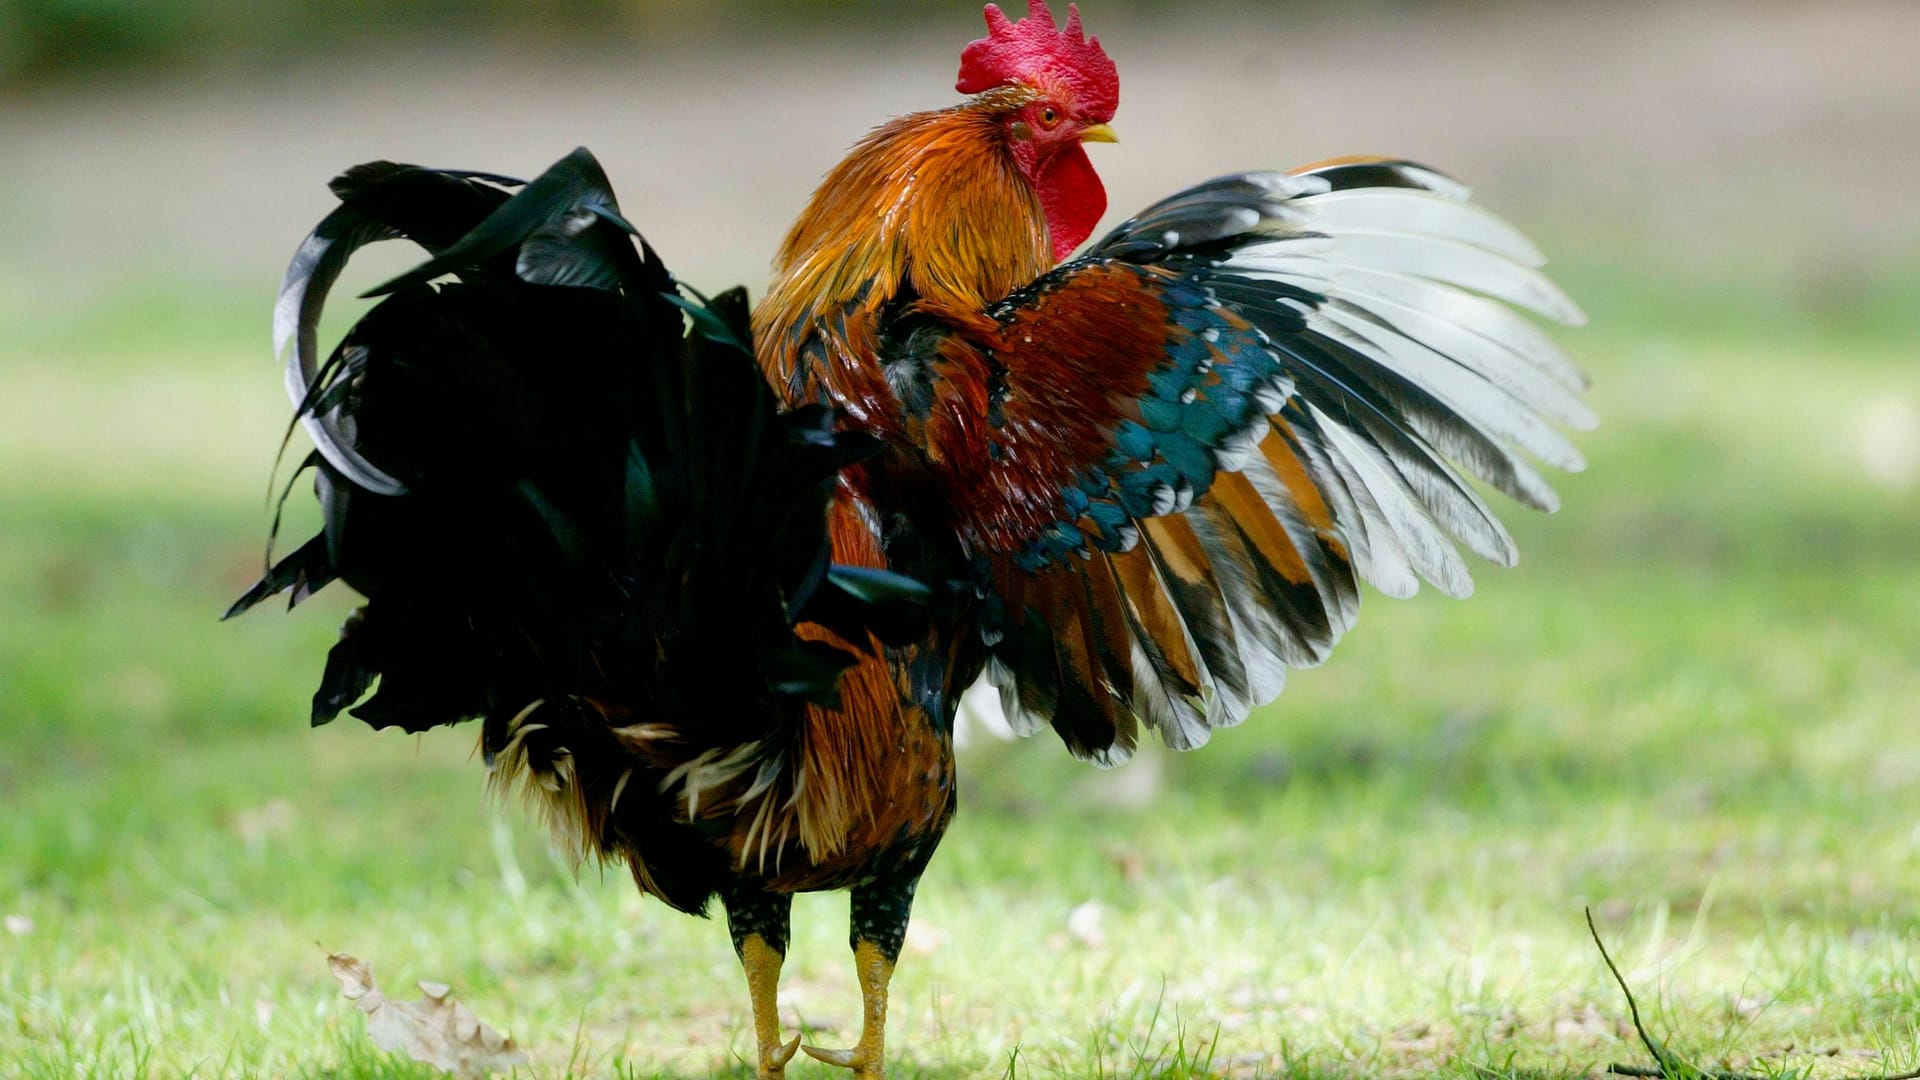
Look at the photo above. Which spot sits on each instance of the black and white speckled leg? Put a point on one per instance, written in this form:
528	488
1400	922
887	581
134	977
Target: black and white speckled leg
879	914
754	910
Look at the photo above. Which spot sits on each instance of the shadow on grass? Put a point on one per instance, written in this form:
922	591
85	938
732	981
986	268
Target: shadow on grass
895	1071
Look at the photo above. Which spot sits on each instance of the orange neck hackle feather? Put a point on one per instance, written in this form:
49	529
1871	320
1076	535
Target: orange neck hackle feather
931	205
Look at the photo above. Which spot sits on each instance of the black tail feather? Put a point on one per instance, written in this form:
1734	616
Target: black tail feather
556	477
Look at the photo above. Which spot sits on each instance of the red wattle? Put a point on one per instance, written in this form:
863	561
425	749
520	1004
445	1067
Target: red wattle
1072	197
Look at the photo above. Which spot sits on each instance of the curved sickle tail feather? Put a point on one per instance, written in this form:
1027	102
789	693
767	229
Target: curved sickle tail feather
572	505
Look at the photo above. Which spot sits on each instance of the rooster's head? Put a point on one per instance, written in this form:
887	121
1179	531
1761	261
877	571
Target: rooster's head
1054	88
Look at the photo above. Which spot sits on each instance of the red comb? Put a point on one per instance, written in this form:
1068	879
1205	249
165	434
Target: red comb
1021	51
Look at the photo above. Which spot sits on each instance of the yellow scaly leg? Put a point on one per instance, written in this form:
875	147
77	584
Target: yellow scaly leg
762	964
867	1058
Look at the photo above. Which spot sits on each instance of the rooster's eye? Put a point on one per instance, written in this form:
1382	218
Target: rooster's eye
1049	117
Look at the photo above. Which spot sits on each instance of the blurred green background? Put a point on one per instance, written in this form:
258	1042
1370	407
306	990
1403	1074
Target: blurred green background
1691	707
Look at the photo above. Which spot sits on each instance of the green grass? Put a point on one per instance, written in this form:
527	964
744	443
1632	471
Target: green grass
1691	708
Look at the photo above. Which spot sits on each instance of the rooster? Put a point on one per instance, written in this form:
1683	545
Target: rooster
713	588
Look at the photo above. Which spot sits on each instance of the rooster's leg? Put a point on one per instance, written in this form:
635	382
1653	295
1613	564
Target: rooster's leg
758	921
880	913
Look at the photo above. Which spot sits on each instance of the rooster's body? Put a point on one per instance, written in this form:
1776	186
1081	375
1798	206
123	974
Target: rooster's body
724	641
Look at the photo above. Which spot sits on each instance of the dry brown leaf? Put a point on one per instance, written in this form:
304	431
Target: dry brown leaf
434	1030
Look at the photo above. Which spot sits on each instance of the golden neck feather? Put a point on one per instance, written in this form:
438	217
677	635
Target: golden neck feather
930	205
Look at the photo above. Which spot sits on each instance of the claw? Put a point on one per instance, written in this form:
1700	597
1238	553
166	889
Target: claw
855	1058
846	1059
774	1058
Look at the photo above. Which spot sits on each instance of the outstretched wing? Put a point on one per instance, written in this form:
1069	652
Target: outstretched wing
1199	435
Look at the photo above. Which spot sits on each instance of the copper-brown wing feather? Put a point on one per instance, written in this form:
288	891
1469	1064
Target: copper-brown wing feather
1200	436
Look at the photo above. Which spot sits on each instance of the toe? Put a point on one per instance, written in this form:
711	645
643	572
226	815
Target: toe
774	1058
846	1059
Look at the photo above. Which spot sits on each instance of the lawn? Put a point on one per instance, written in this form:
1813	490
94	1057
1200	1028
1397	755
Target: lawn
1690	709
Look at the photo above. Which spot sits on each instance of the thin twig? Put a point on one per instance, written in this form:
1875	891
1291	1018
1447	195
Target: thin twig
1667	1066
1670	1067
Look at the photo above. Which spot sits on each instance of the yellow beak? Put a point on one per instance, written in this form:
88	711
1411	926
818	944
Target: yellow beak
1098	133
